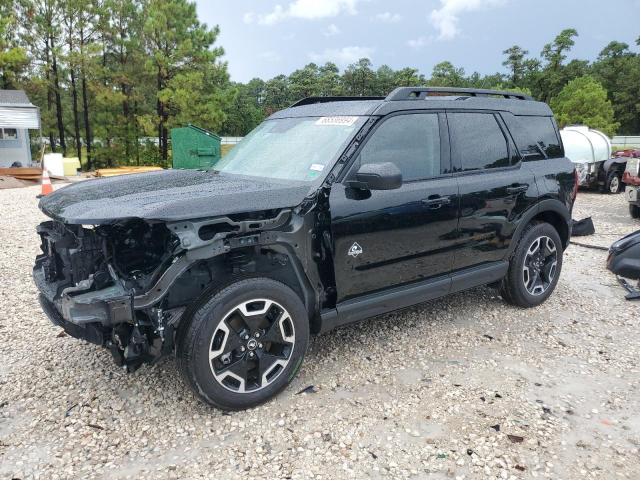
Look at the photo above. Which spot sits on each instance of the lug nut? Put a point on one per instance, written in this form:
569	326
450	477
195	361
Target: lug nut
246	337
259	345
257	335
242	348
251	354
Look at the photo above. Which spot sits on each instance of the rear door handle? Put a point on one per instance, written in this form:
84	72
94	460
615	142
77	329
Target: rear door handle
517	188
436	201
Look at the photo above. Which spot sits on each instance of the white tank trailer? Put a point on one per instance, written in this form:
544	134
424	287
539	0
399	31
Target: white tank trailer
590	151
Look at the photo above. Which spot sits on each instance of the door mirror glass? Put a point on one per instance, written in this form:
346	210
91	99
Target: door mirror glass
378	176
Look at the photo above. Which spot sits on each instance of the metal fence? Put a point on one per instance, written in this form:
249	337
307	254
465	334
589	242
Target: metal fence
628	141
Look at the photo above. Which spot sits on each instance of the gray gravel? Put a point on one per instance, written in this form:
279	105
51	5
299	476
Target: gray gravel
466	387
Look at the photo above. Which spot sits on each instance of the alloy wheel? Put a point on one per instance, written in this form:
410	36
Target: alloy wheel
614	185
252	345
540	263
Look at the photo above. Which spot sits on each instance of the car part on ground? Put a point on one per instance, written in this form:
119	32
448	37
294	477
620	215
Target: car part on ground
582	228
624	261
306	226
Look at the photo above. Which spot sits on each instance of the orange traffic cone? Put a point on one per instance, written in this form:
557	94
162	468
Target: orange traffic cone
47	188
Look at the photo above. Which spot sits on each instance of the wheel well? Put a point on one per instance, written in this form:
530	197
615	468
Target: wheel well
557	221
210	275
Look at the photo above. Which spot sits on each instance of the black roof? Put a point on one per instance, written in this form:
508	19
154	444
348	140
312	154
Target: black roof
418	98
14	97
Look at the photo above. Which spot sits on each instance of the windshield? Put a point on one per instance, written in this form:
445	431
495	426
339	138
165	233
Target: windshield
291	148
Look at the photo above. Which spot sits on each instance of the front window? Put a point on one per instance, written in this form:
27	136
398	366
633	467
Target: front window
291	148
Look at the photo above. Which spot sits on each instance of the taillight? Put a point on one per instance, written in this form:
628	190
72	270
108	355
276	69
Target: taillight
574	194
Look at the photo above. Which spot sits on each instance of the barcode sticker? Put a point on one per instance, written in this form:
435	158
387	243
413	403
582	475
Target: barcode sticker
340	121
316	167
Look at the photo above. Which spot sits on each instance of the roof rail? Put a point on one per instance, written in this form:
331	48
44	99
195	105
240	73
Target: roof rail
312	100
420	93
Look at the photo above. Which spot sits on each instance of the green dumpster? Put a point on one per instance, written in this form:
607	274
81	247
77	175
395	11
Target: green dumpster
194	148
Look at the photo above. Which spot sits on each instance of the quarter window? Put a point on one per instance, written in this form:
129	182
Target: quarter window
411	142
534	134
477	141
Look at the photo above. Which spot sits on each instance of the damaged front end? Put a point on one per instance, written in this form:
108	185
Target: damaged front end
126	285
95	281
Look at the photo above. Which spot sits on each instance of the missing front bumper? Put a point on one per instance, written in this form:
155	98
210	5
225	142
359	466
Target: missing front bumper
107	307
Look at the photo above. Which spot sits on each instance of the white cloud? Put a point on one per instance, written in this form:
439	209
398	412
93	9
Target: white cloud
304	9
249	17
446	18
332	30
420	42
341	56
271	56
388	17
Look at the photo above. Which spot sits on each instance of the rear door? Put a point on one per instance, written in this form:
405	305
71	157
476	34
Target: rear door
495	186
389	238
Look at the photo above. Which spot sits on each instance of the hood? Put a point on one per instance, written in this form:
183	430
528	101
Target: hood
168	195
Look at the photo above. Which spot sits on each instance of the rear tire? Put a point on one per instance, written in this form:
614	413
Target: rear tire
613	183
634	210
534	268
244	344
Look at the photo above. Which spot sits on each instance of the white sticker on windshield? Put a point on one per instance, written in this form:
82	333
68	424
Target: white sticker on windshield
340	121
316	167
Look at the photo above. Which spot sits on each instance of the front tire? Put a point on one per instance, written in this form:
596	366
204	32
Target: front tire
534	268
244	344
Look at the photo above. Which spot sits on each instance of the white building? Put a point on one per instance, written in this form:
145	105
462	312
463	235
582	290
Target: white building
17	117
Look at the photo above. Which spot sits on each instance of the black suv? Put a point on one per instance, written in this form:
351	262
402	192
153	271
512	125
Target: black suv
329	212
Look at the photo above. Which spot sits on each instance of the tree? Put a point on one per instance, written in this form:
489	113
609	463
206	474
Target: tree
515	62
191	83
554	76
359	78
329	81
618	69
13	58
584	101
305	82
407	77
444	74
556	52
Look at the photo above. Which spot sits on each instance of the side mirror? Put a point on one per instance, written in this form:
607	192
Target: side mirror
378	176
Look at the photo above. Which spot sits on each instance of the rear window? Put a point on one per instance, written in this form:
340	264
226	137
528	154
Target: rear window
477	141
534	133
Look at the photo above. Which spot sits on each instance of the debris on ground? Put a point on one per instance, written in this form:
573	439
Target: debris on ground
384	406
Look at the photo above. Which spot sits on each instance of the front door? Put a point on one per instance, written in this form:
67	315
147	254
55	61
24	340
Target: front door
388	238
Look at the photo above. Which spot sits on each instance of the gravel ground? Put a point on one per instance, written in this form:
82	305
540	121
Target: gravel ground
465	387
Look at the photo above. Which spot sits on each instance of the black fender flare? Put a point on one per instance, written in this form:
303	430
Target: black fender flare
547	205
609	164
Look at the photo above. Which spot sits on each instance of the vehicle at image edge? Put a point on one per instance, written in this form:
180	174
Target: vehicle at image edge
631	179
331	211
590	150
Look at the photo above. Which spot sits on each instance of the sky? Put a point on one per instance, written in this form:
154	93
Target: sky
264	38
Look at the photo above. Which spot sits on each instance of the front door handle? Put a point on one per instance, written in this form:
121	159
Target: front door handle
436	201
517	188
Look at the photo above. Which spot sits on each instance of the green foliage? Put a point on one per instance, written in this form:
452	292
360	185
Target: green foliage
112	77
584	101
13	58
